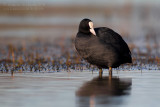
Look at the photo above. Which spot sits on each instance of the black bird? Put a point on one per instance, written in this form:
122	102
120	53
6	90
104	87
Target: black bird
101	46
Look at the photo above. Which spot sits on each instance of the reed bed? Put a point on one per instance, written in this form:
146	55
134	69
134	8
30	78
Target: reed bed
55	55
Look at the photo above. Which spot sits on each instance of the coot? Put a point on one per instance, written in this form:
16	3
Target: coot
101	46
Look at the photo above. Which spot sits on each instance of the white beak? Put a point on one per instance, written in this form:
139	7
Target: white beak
91	28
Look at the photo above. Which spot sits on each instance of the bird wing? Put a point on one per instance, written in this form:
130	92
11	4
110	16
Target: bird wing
111	37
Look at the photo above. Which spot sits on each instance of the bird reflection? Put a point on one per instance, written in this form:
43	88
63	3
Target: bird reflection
103	91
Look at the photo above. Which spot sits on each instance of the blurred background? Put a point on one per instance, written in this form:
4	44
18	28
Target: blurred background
32	30
54	18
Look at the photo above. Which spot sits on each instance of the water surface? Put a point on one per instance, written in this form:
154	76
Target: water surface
80	89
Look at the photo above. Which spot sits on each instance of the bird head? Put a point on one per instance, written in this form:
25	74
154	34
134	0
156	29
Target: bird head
86	26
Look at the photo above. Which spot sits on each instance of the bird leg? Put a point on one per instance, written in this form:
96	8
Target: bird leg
110	71
100	72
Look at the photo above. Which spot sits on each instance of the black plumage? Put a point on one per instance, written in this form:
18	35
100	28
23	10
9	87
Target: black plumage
106	49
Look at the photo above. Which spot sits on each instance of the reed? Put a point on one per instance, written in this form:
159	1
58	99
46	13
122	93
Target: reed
40	55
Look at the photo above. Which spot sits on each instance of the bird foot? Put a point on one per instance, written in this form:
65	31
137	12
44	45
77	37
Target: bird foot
110	71
100	73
